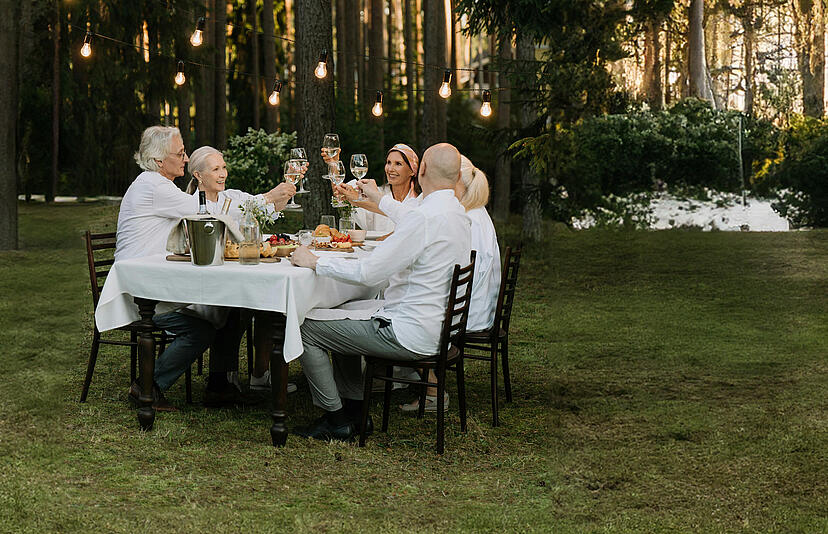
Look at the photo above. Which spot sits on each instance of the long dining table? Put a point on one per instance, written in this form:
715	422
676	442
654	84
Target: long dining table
136	289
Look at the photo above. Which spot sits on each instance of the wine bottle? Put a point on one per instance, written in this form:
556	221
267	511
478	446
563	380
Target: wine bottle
202	202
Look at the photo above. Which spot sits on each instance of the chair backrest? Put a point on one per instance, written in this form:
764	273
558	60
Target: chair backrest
99	268
457	307
508	283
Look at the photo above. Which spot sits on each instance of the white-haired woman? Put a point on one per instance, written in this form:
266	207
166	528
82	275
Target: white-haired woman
473	192
209	174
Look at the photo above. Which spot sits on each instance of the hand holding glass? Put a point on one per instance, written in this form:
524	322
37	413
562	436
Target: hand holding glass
300	154
293	173
330	144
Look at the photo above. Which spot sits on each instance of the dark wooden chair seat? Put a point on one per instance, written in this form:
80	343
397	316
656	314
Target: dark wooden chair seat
99	250
486	344
449	357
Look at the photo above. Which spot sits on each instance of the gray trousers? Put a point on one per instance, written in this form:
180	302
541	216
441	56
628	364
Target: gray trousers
331	380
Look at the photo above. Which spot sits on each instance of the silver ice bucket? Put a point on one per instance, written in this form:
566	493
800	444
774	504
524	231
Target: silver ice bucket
206	237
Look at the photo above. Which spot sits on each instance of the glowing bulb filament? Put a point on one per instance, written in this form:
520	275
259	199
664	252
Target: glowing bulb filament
322	68
273	99
486	108
179	76
86	49
377	109
445	89
198	35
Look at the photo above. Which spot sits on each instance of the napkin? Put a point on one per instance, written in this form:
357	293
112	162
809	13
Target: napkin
177	240
357	310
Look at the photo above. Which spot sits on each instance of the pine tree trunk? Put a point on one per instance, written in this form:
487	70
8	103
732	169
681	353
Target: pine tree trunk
376	51
8	124
389	42
433	125
205	99
256	82
668	95
809	35
652	65
221	74
698	63
362	81
313	33
410	72
351	17
342	51
531	230
52	192
503	164
453	45
269	56
155	68
750	40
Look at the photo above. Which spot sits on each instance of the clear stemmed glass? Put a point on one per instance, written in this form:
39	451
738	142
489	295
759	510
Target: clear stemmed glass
300	154
293	173
337	176
330	144
359	168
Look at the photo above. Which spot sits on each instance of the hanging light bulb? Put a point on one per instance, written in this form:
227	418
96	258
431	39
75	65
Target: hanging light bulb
179	76
322	69
86	49
486	108
197	38
377	109
445	89
273	99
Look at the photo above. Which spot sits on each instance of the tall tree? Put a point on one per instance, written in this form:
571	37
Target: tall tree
342	38
351	50
433	125
652	64
503	164
205	99
531	229
269	46
376	51
809	34
313	34
221	74
8	124
51	193
256	82
699	86
410	47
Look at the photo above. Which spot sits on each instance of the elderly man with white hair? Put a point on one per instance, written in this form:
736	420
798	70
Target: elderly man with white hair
151	207
417	261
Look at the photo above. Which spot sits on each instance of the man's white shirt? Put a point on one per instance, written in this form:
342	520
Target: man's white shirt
417	260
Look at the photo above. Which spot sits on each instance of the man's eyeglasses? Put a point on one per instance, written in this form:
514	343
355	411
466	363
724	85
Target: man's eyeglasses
181	154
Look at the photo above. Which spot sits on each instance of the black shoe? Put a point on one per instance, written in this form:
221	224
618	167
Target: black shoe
322	429
369	425
228	395
159	401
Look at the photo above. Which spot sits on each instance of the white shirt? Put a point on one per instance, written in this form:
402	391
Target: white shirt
368	220
151	207
417	261
486	284
237	199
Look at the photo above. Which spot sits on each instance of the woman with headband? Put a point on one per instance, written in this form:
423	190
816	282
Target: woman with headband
401	164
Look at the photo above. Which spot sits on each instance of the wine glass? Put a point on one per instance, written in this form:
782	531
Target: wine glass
293	173
300	154
328	220
359	168
305	237
330	144
337	176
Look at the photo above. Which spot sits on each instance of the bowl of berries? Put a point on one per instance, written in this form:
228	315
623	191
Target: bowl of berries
283	244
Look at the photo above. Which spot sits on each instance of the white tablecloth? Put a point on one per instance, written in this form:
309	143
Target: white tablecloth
278	287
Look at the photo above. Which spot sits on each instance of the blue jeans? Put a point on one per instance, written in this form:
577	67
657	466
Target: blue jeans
193	336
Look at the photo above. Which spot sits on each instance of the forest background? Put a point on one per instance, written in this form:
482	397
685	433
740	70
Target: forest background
591	98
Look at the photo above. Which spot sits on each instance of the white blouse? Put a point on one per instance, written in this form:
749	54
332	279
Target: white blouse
486	284
368	220
237	199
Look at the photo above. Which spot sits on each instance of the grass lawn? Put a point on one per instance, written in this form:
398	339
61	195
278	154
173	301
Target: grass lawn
664	382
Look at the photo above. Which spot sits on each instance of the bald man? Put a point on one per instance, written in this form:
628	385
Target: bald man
417	261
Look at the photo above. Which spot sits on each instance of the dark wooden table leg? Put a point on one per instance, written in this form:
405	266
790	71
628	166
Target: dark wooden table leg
146	357
278	382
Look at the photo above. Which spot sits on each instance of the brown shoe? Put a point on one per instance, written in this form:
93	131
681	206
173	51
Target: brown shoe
159	401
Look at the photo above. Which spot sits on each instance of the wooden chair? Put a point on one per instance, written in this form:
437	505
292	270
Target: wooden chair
496	338
449	356
99	249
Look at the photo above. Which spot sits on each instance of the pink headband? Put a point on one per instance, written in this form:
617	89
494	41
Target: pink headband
409	156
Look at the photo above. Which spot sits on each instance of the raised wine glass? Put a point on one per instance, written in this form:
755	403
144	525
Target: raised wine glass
293	173
359	168
300	154
330	144
337	176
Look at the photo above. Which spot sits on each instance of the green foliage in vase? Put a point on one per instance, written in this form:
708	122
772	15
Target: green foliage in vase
255	160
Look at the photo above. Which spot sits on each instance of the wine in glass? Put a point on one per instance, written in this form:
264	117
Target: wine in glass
337	176
359	168
330	144
293	173
300	154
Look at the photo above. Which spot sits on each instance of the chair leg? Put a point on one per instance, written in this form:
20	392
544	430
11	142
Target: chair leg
188	384
90	365
133	357
441	416
461	393
386	397
493	373
423	389
504	356
368	384
250	344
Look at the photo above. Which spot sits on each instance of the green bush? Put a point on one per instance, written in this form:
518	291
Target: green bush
255	160
801	172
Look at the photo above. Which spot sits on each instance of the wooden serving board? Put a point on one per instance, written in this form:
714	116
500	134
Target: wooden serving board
183	257
326	249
